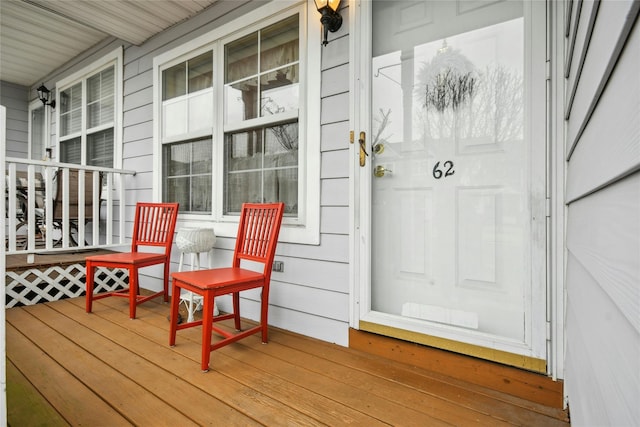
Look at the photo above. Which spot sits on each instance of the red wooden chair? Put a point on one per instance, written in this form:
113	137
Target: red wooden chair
154	225
257	238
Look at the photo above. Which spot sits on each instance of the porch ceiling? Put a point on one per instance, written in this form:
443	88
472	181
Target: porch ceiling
39	36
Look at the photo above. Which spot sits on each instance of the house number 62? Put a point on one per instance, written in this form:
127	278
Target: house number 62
445	171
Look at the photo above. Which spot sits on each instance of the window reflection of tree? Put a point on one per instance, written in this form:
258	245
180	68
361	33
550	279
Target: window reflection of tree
459	101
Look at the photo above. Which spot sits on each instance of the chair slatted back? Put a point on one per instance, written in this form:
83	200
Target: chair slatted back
154	225
258	233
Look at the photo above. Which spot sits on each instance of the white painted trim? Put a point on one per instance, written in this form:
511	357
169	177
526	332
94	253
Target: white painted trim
557	167
3	262
305	228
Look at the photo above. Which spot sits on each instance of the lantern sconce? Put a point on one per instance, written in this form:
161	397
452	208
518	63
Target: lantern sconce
43	95
331	19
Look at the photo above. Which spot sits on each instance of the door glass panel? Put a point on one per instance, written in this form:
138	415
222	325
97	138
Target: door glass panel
451	232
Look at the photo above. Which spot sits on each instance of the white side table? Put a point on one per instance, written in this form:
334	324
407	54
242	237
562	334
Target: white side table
194	241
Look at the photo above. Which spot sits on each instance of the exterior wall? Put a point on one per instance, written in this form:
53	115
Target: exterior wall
14	98
603	217
311	296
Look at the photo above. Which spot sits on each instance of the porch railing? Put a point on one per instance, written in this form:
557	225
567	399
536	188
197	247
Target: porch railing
49	206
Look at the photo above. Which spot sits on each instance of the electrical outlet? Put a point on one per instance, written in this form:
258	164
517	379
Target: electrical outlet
278	266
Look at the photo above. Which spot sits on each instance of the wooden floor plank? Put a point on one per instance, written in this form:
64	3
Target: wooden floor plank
251	400
346	394
106	361
384	399
25	405
457	392
76	403
517	382
161	381
122	394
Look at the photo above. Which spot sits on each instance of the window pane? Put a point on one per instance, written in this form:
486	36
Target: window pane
241	100
241	187
70	151
243	151
282	186
176	190
281	145
100	98
37	133
100	148
187	173
241	58
71	110
279	91
279	44
174	81
262	166
200	72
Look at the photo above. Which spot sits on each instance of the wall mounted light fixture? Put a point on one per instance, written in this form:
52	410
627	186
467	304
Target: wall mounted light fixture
43	94
331	19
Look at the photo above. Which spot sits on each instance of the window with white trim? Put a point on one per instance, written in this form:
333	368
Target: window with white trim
233	127
88	105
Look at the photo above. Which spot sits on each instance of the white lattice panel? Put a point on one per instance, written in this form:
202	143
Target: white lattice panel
34	286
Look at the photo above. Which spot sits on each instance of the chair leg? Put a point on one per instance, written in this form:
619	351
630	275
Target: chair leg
166	281
133	292
175	306
207	321
236	309
89	273
264	315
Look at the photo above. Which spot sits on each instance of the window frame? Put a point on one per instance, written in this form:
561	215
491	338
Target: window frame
115	59
305	228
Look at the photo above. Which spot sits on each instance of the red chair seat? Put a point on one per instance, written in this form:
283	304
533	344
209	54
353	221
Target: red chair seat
219	278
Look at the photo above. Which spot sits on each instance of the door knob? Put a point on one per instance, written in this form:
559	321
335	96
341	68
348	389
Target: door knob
379	171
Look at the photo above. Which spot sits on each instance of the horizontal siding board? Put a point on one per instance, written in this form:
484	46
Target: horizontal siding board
140	148
334	108
334	192
334	219
613	25
611	249
138	99
580	48
571	34
335	136
320	327
610	144
335	80
315	301
138	132
333	247
139	82
138	115
335	164
602	353
313	273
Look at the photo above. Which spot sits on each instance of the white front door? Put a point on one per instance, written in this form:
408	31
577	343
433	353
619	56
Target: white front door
452	219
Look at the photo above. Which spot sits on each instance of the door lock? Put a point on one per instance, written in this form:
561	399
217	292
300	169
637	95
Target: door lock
379	171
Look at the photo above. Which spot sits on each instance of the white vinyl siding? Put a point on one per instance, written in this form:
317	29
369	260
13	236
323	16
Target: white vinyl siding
603	218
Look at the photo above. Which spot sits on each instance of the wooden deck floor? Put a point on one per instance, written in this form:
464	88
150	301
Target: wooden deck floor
72	368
